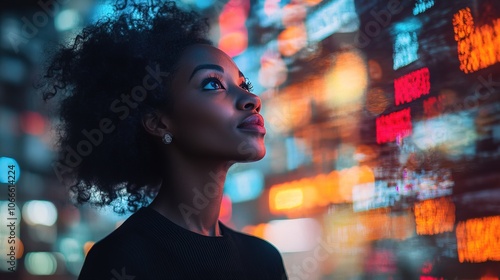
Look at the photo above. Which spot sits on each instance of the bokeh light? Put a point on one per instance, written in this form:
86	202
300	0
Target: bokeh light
293	14
40	212
347	80
478	240
33	123
435	216
234	43
273	71
10	170
376	101
306	231
40	263
292	39
233	32
67	20
478	47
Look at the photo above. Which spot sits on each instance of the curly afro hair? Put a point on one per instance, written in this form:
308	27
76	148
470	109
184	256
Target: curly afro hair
114	73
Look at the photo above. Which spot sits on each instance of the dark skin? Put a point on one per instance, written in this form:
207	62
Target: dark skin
210	103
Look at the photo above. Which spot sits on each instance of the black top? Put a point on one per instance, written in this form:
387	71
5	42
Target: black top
148	246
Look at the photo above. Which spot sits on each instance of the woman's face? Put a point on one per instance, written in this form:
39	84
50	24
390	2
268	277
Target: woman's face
211	100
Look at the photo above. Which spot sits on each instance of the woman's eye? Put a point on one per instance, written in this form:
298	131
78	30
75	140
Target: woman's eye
212	84
247	85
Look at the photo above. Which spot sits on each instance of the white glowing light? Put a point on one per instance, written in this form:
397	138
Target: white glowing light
66	20
40	263
335	16
39	212
305	231
454	133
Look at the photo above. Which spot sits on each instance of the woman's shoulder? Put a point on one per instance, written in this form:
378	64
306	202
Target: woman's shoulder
118	252
252	243
258	252
127	233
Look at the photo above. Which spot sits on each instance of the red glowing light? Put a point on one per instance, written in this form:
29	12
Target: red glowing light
33	123
233	32
427	267
225	211
412	86
393	126
232	19
234	43
433	106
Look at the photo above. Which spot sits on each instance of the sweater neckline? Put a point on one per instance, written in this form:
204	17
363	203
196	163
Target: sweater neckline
183	231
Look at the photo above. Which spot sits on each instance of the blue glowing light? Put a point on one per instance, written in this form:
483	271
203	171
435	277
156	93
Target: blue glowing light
406	42
296	153
9	170
245	185
405	49
336	16
422	6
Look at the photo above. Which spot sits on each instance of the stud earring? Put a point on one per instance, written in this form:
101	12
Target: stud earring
167	138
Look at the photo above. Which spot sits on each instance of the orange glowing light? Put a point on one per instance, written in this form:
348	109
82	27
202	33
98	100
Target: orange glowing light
285	198
434	216
347	80
312	2
234	43
478	240
17	244
292	39
257	230
478	47
350	228
87	246
318	191
489	277
347	180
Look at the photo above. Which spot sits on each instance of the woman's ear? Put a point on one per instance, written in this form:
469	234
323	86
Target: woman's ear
155	123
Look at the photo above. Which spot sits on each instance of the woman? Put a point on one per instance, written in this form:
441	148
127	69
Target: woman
150	108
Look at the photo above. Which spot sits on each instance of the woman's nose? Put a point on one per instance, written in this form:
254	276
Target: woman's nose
249	101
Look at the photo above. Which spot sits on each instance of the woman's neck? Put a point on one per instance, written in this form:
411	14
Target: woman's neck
191	195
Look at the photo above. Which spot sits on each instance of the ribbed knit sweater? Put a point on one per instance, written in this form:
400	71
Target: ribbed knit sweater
148	246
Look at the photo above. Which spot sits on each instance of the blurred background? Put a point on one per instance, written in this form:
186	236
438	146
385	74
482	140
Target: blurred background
383	137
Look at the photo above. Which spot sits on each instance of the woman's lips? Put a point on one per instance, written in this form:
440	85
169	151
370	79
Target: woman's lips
253	123
253	128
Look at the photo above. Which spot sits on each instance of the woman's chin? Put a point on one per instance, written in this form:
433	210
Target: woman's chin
249	152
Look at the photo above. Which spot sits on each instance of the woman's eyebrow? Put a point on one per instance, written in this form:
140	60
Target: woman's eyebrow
206	66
